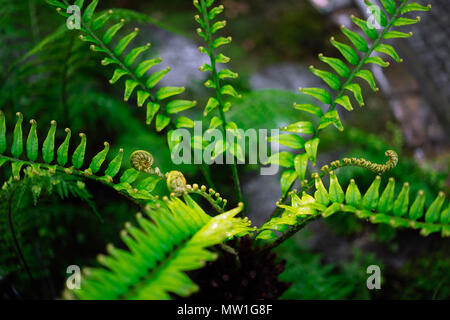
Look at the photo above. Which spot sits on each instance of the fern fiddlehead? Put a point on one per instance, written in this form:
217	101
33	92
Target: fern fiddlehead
176	182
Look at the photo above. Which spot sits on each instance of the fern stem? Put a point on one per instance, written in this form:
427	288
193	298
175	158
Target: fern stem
367	54
217	85
347	82
132	289
291	232
209	199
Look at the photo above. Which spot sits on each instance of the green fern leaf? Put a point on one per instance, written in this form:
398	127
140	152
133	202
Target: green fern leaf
17	146
48	148
159	252
32	142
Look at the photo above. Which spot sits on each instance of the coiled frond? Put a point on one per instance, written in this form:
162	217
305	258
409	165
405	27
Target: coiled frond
159	252
136	73
377	206
176	183
341	80
363	163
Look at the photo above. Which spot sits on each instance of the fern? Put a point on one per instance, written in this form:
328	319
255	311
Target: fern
340	89
160	251
375	206
208	29
131	183
136	183
136	76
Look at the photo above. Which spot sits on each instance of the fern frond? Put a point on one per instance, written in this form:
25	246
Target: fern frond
159	252
340	79
127	66
375	206
134	183
207	30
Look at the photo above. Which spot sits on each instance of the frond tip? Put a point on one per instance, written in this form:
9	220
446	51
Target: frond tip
363	163
141	160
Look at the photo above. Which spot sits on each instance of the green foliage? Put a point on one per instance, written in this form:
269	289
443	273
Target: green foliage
425	277
160	251
19	225
338	96
311	278
374	206
132	183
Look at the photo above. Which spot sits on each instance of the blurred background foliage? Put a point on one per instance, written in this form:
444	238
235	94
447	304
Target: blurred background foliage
47	73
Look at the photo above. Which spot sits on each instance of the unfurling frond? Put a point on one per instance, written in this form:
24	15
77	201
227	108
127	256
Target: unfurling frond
213	197
363	163
159	253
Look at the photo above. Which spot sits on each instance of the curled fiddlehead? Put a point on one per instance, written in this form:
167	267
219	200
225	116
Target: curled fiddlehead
363	163
176	183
